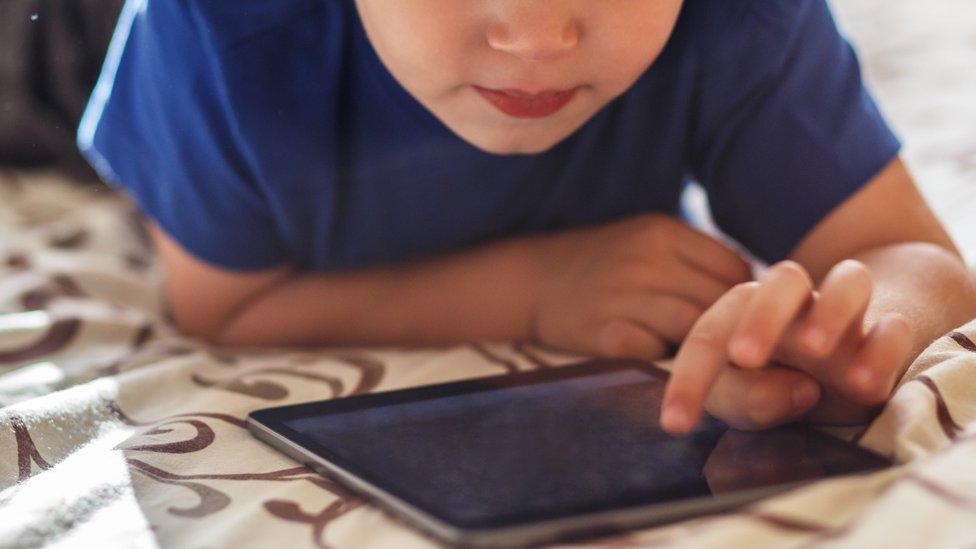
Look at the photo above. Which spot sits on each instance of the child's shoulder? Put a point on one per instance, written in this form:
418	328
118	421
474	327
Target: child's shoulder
226	24
746	41
765	12
752	19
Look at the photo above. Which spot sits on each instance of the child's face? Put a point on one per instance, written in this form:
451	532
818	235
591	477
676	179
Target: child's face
517	76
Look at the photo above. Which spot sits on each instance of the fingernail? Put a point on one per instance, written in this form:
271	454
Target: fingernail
674	418
747	350
805	395
862	377
816	338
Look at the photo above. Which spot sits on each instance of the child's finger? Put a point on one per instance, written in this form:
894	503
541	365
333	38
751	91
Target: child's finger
622	338
759	399
844	297
704	252
668	316
784	290
701	359
688	282
878	365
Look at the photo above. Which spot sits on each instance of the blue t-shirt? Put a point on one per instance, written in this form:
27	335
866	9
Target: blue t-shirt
263	132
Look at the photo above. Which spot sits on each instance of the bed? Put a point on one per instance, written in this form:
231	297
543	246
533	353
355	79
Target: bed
116	430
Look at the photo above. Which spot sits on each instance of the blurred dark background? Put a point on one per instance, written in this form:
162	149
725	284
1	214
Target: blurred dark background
51	52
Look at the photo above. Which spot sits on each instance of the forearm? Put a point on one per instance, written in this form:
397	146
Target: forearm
927	284
484	294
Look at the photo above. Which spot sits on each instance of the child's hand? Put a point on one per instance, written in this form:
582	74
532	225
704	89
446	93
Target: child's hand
768	352
631	288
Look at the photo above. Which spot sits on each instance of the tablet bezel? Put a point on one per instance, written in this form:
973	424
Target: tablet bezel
269	425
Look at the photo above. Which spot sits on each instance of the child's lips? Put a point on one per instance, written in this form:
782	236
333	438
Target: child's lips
521	104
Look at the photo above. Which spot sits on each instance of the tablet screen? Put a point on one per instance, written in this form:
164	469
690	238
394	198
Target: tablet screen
585	443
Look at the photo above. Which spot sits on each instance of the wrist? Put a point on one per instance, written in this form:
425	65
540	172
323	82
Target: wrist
549	258
539	253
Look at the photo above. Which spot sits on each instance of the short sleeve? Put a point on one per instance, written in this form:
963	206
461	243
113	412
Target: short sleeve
801	136
160	127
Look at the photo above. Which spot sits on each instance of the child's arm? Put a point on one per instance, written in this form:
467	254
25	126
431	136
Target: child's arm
855	336
629	288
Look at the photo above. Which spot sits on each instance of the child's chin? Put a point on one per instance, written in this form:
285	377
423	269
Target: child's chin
515	142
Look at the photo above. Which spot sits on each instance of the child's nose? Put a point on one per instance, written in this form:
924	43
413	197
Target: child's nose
534	32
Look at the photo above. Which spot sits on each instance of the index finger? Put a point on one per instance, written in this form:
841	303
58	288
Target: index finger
785	292
701	250
700	359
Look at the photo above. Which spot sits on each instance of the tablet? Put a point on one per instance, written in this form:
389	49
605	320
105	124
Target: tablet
546	455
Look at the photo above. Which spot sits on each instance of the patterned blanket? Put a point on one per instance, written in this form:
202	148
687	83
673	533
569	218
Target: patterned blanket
114	429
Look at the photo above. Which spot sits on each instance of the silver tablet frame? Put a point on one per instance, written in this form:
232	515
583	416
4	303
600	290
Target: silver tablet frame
545	531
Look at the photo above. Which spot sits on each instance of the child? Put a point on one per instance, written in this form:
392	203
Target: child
437	171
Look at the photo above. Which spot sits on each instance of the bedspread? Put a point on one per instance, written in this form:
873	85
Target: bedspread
115	429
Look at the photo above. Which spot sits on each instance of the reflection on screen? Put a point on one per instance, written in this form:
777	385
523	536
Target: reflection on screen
575	445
